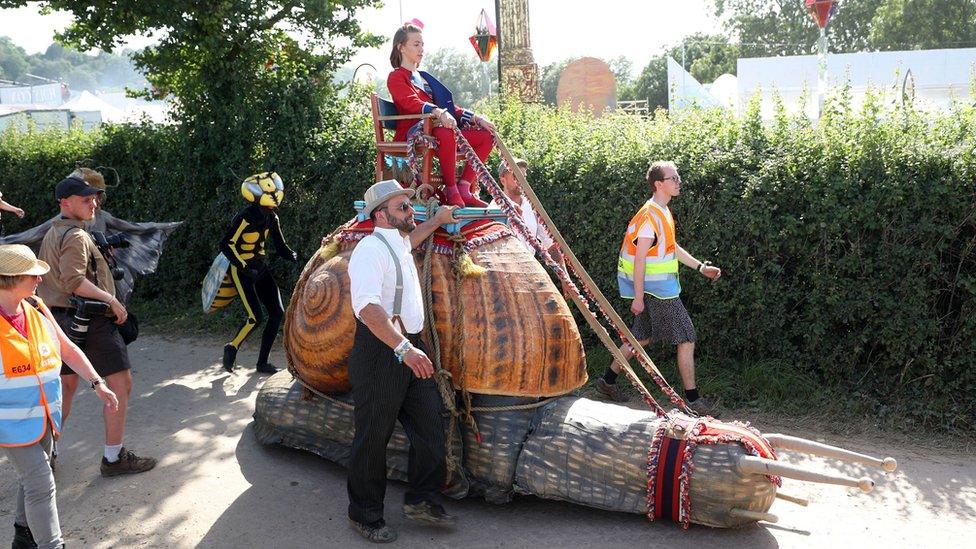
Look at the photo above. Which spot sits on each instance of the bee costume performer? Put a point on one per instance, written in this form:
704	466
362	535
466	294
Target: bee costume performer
242	258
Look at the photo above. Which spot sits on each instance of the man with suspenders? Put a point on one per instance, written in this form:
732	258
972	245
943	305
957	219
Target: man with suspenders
391	375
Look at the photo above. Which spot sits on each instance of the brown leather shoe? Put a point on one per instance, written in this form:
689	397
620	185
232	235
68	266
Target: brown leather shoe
610	390
127	464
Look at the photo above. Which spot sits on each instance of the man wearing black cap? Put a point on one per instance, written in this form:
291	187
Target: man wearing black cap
79	269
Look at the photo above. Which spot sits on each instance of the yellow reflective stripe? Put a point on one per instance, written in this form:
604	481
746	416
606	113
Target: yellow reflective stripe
626	266
233	241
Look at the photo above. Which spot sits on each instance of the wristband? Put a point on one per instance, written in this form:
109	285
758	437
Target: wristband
401	350
704	264
95	382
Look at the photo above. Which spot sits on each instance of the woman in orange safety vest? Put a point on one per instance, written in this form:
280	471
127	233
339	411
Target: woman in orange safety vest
32	346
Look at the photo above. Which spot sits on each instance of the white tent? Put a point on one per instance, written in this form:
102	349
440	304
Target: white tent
931	79
88	102
685	91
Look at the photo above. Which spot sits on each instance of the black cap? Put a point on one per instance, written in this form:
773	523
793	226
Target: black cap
71	186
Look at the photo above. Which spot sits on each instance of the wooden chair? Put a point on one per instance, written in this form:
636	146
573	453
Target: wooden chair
385	117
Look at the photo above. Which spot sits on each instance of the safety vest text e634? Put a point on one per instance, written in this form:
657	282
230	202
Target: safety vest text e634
30	386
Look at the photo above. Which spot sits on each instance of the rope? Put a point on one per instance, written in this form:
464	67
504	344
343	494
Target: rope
316	392
458	323
586	296
514	407
443	377
417	137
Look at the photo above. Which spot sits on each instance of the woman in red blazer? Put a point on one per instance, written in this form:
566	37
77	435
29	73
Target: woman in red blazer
416	92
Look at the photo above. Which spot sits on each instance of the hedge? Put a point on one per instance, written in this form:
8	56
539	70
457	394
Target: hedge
846	245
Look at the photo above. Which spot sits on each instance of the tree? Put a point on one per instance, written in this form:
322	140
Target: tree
783	27
463	73
621	67
13	59
549	79
924	24
549	76
230	66
706	57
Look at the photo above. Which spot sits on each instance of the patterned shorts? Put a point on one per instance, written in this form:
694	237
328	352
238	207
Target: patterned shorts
664	321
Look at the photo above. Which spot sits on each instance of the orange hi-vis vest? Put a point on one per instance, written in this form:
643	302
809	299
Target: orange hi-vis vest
661	264
30	383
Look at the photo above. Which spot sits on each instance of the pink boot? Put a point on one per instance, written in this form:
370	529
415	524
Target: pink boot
469	199
452	197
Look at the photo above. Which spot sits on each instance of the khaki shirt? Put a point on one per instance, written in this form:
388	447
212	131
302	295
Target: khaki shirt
71	253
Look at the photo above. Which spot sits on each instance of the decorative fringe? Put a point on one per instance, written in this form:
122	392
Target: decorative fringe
468	268
652	463
684	488
731	437
330	250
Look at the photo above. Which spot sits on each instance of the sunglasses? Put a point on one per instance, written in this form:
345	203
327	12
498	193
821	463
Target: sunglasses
404	207
675	178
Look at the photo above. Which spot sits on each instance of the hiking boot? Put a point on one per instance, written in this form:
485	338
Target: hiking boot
267	368
127	464
23	538
707	406
429	513
610	390
376	532
230	355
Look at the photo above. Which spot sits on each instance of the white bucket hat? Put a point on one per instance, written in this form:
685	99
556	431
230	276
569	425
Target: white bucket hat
380	192
17	259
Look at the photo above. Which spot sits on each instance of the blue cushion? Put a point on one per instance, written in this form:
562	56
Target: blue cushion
387	108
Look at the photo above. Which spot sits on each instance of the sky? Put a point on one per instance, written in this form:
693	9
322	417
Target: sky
637	29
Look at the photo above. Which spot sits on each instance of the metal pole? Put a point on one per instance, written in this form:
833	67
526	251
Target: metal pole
498	36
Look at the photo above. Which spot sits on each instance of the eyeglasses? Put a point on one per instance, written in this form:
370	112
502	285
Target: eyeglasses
675	178
404	207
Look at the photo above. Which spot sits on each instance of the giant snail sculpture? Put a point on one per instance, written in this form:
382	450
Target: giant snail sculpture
515	427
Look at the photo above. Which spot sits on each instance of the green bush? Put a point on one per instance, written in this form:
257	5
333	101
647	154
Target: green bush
163	180
846	245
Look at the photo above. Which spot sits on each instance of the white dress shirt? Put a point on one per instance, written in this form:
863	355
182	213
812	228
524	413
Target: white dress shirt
532	223
372	274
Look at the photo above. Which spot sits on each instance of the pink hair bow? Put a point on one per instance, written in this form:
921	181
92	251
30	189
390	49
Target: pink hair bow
415	22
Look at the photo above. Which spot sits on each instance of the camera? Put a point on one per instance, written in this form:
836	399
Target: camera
85	309
106	244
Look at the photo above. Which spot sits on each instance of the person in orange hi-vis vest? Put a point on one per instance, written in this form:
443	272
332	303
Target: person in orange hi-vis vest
647	272
32	346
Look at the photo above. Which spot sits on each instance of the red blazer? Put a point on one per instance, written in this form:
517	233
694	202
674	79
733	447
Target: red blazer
411	99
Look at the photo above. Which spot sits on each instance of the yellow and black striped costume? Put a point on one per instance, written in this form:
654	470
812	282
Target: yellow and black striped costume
249	277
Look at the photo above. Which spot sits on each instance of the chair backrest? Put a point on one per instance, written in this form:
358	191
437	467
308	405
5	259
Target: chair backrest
387	108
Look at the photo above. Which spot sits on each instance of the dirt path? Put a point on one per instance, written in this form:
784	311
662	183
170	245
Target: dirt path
216	486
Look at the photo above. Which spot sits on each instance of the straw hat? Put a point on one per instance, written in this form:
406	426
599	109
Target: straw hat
17	259
381	192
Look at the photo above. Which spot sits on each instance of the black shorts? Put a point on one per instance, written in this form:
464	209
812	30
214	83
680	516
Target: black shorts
664	321
103	347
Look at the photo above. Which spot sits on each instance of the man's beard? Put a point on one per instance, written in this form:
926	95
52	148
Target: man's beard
406	224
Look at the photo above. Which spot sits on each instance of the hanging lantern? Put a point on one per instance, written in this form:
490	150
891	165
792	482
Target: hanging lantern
821	11
485	39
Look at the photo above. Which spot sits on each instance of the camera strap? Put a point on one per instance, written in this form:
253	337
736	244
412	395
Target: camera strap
92	264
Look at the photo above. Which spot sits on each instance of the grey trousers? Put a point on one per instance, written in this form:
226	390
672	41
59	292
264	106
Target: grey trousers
36	503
